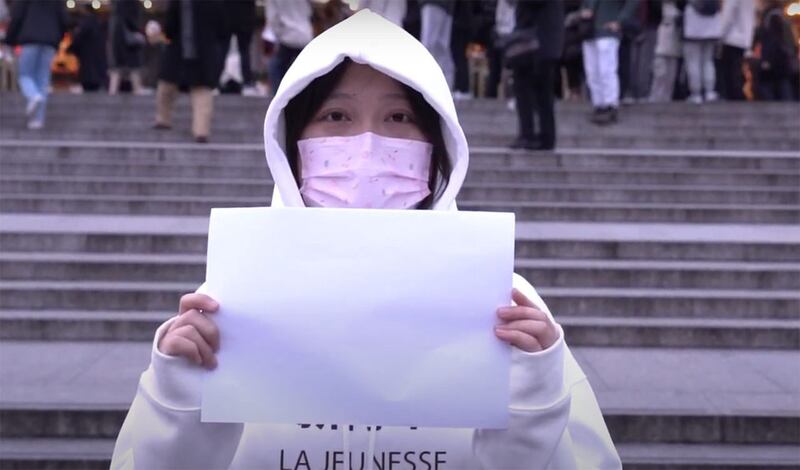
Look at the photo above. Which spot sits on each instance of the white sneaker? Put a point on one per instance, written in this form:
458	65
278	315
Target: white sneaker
35	125
144	92
712	96
462	95
252	91
695	99
33	105
511	104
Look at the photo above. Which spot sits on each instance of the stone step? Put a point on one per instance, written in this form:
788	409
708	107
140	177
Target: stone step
478	173
614	331
542	272
660	396
115	132
61	122
525	211
557	249
702	456
746	112
625	302
95	454
557	240
221	154
56	186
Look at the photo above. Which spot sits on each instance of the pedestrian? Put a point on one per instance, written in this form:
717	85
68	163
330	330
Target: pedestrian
241	21
345	85
461	34
738	31
290	21
641	33
127	43
37	26
89	46
392	10
192	59
435	34
534	81
702	30
572	81
503	27
601	54
668	53
778	54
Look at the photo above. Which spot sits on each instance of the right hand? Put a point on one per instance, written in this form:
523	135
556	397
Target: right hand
587	13
193	335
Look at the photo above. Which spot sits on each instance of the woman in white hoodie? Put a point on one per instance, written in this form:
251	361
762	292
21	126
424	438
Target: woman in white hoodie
367	82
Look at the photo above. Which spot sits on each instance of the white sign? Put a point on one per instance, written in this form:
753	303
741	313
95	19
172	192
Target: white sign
354	316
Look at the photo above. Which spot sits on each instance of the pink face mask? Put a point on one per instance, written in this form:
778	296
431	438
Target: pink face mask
364	171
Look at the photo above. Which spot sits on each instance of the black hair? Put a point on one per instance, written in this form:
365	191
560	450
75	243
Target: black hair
302	108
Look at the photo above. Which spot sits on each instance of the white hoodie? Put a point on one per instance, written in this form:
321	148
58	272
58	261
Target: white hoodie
555	422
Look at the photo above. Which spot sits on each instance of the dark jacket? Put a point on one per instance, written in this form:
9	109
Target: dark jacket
210	34
88	45
548	20
37	22
607	11
241	15
126	18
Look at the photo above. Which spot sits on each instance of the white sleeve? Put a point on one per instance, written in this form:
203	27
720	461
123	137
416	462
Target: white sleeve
554	419
163	430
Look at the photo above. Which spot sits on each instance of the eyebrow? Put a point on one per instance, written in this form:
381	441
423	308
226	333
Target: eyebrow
350	96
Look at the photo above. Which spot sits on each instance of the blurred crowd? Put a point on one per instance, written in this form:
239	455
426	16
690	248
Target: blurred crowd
607	52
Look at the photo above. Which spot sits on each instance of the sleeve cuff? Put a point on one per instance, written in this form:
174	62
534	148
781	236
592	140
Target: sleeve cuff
537	379
174	382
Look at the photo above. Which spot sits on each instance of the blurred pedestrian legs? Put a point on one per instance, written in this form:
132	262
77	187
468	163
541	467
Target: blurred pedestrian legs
437	27
34	80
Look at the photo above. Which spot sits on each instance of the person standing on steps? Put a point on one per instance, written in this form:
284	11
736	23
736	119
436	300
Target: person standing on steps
126	45
738	31
193	58
534	82
37	26
702	30
344	95
601	54
436	32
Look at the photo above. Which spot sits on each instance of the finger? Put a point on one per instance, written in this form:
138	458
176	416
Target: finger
205	325
175	345
521	313
534	328
206	354
197	301
520	299
519	339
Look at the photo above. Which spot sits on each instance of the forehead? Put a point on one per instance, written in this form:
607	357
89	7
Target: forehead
361	80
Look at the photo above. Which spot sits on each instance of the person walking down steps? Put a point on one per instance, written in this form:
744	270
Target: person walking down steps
37	26
194	59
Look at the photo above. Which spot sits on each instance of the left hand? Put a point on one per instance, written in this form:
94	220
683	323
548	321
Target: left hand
613	26
525	325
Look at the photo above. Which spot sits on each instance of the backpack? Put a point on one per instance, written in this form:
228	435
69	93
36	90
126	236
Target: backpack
707	7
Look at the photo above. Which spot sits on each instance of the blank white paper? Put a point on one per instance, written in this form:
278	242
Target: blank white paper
352	316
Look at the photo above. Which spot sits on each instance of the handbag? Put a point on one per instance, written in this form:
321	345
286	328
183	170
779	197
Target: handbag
521	48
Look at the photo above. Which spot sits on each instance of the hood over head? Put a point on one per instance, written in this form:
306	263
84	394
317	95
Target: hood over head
365	38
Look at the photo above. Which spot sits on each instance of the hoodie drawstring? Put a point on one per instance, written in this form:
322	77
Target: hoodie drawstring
373	437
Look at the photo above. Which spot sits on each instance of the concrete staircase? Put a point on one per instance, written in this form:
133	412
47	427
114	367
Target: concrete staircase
675	272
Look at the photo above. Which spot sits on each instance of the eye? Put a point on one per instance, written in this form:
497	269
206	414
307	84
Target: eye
401	117
333	116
